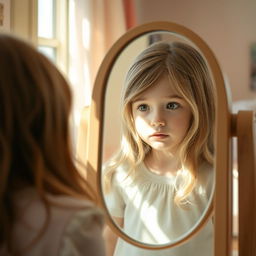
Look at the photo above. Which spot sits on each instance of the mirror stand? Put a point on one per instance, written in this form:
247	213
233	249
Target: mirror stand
245	132
241	125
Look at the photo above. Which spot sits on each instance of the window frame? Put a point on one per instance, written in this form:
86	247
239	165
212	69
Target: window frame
60	41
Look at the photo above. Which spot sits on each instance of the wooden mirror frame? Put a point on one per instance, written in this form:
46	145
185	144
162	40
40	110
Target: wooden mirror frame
223	172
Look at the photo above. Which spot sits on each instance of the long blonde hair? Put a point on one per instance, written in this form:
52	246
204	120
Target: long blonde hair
187	71
35	103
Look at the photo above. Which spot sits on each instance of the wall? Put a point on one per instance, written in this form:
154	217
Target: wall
23	19
227	26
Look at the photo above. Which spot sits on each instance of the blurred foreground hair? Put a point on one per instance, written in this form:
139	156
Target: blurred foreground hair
35	148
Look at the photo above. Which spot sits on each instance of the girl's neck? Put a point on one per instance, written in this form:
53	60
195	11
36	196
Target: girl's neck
162	163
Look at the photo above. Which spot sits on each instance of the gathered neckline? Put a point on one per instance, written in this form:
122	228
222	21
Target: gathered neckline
154	177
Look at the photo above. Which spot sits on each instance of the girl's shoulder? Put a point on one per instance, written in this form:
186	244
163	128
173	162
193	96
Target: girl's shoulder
83	229
61	207
119	170
29	196
68	217
70	205
83	233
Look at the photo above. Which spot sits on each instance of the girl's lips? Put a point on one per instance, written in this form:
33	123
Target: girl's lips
159	135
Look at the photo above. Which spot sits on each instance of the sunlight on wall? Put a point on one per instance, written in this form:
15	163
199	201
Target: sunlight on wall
79	72
86	33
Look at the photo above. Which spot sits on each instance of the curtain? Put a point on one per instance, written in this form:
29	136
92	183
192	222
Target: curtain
94	26
130	16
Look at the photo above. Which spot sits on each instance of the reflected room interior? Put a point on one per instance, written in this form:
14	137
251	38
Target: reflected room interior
112	138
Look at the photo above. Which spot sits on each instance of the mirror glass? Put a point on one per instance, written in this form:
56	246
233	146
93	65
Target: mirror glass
144	200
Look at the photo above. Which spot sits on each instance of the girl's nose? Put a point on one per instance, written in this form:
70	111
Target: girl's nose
157	119
157	123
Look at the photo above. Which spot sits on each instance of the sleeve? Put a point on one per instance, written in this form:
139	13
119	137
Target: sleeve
83	235
115	199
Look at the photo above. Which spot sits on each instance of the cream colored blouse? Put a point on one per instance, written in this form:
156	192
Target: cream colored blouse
151	216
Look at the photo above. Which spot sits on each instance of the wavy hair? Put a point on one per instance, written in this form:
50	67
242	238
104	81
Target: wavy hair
187	71
35	149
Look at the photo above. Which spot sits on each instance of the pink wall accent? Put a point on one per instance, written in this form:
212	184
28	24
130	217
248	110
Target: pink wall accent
130	17
227	26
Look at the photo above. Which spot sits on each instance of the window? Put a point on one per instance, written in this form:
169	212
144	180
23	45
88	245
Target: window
53	38
52	31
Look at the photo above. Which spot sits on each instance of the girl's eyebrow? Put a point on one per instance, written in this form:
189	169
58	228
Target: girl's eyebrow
173	96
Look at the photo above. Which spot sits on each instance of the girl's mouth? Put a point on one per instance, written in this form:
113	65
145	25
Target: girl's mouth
159	135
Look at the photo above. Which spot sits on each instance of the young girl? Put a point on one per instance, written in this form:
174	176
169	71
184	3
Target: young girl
45	206
159	184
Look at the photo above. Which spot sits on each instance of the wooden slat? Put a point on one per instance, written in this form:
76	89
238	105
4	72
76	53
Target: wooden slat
247	183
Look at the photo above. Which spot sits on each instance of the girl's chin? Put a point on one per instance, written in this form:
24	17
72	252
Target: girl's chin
161	147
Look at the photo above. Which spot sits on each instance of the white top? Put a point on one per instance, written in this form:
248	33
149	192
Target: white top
75	227
151	215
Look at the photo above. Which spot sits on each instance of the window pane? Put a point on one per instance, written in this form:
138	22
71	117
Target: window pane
46	18
49	52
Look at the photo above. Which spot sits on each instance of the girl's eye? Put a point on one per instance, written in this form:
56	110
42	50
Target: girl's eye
173	105
142	107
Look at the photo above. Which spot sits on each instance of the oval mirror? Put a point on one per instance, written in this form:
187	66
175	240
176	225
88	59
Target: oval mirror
140	201
131	189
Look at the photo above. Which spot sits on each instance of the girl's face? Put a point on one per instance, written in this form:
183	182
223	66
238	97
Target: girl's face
161	116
